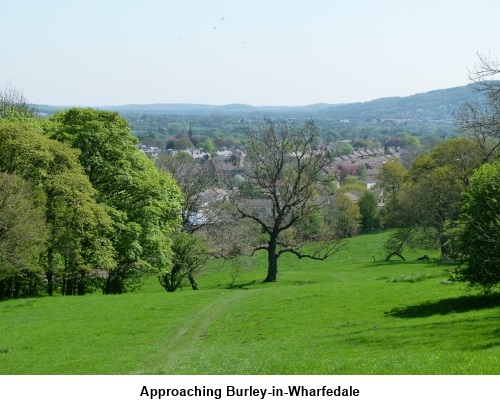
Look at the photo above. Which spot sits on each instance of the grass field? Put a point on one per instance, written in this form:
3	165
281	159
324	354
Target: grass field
348	315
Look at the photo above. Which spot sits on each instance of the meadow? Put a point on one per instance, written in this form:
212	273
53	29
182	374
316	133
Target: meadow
352	314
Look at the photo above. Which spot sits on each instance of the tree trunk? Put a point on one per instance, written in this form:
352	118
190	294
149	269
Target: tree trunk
194	285
445	248
272	261
81	290
388	257
49	272
50	283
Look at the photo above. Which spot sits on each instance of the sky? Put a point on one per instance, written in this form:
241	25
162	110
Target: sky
257	52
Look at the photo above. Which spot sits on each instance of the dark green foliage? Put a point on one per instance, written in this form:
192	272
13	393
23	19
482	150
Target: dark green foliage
425	203
189	256
23	234
480	238
368	208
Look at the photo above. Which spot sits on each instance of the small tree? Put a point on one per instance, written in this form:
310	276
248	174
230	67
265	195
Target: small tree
344	215
285	166
368	208
190	255
13	104
201	208
426	206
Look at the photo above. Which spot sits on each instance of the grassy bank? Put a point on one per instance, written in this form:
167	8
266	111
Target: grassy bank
352	314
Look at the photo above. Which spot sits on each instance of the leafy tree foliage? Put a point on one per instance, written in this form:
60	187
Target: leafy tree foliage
77	226
182	143
392	176
143	203
342	149
23	234
343	216
285	166
480	236
368	209
426	206
190	256
208	146
14	106
480	233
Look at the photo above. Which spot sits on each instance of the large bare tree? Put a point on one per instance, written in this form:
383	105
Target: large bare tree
198	180
481	121
285	165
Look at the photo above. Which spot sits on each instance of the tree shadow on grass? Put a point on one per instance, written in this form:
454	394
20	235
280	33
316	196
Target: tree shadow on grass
447	306
241	285
429	263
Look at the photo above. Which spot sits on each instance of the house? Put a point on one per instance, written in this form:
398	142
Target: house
149	151
259	207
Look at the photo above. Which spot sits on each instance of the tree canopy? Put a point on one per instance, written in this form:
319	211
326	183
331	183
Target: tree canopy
77	225
143	203
480	237
424	203
108	212
23	234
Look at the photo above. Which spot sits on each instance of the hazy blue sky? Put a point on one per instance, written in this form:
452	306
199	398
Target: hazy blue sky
259	52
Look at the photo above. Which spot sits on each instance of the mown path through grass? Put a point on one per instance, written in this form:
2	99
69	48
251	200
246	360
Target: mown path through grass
187	335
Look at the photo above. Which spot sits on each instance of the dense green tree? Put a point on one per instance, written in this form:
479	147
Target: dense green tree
190	255
391	179
480	237
368	209
143	202
426	206
23	236
342	149
208	146
407	141
182	143
78	227
461	155
392	176
343	216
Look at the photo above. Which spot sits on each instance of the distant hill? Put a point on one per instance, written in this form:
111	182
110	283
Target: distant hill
433	105
436	104
214	109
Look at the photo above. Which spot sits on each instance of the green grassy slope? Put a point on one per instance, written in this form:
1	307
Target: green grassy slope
348	315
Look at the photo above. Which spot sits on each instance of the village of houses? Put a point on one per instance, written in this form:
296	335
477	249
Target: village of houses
231	163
